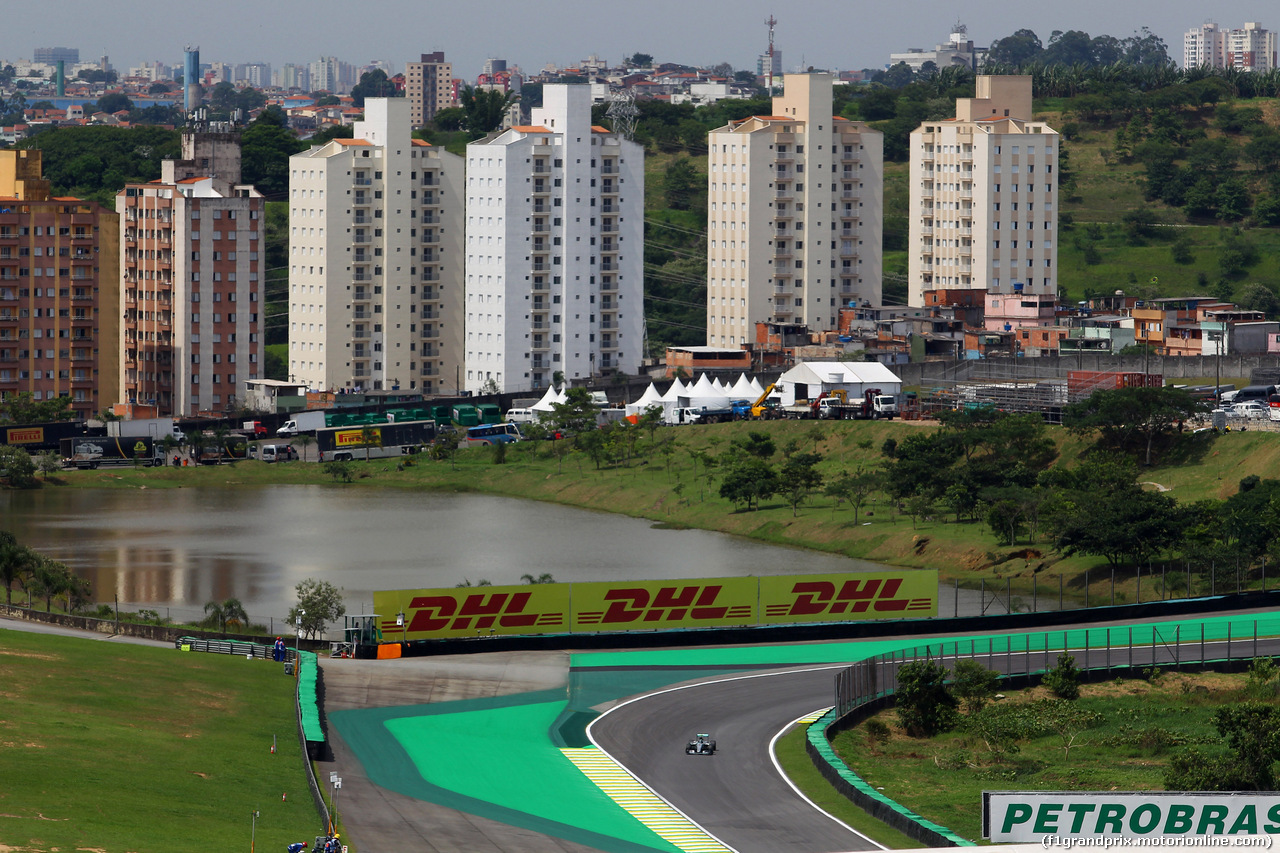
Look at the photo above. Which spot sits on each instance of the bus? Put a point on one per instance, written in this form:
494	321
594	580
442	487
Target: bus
493	434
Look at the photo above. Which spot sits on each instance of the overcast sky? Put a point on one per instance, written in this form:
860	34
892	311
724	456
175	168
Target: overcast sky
834	34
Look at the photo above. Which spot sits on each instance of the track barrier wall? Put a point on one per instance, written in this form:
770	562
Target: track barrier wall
867	686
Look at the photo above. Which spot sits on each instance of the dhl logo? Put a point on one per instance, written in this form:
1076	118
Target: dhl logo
476	611
666	604
854	596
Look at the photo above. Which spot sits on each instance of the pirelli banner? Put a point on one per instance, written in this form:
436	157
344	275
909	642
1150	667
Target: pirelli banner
655	605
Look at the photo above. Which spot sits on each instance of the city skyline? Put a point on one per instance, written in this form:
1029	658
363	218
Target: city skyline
821	33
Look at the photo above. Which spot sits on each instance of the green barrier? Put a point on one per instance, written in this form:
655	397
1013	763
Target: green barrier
308	697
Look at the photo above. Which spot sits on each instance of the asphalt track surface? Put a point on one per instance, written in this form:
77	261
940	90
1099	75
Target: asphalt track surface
737	794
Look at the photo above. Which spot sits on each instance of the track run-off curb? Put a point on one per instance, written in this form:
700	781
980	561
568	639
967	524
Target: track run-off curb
640	802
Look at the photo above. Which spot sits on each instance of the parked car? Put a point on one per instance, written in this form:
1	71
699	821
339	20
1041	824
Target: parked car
1251	409
277	453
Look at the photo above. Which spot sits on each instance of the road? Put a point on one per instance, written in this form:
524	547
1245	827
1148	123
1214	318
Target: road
737	795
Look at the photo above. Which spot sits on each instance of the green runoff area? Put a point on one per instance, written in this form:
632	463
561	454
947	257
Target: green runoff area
665	482
117	747
500	758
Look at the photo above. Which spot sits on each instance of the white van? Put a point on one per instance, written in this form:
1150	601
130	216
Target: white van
521	416
278	453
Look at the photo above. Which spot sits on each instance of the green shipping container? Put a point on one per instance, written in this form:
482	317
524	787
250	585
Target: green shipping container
489	413
466	416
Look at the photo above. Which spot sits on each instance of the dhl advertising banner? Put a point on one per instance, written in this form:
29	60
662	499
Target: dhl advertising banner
655	605
791	599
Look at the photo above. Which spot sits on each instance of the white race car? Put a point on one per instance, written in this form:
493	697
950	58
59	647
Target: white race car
701	744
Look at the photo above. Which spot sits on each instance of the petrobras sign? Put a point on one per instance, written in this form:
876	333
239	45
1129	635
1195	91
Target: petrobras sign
1147	818
656	605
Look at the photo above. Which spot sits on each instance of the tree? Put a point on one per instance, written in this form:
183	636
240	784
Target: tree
450	119
853	488
639	60
681	184
265	148
484	108
304	440
15	561
374	84
925	706
1132	418
223	612
1016	50
974	684
339	470
17	471
798	478
23	408
545	577
757	444
747	480
319	603
48	462
114	102
1064	679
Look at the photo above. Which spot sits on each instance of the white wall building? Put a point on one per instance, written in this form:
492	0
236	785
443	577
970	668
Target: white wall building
795	214
555	249
1251	48
983	196
375	264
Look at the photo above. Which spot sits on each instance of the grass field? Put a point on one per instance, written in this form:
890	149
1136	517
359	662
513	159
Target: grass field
1142	725
111	747
666	483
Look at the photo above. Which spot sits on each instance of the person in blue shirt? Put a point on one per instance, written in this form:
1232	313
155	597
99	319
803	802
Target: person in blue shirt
297	847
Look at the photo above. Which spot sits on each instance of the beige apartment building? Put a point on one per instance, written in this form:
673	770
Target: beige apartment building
983	196
59	291
794	210
375	260
428	87
192	251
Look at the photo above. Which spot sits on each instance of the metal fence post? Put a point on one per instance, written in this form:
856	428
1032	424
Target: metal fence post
1008	595
957	599
982	589
1113	586
1059	592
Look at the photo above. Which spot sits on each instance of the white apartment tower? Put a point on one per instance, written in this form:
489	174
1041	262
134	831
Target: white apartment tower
794	210
375	265
555	249
1252	48
983	196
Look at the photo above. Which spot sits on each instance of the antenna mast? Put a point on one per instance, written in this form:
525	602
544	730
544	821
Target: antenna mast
771	23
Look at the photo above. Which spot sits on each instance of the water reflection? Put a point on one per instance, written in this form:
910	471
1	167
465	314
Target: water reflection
178	549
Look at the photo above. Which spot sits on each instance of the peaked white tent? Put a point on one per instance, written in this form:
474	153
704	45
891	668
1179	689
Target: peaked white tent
650	397
741	389
703	394
756	388
550	399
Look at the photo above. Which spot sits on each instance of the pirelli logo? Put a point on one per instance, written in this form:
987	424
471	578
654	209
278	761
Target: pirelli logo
25	435
657	605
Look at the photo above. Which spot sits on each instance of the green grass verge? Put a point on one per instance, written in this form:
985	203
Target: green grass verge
116	748
800	770
1141	726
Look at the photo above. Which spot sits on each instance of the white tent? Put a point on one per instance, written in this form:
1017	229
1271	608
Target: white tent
719	386
756	388
549	399
650	397
703	395
741	389
808	379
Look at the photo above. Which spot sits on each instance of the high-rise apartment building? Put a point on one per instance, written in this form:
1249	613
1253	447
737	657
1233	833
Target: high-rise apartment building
555	249
428	87
1251	48
192	253
53	55
794	215
375	265
59	291
983	191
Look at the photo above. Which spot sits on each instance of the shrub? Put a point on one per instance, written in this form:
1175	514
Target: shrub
925	705
1064	679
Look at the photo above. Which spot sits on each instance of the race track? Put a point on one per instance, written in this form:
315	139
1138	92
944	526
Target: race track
736	795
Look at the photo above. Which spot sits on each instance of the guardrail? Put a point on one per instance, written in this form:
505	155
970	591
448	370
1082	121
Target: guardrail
225	647
1104	652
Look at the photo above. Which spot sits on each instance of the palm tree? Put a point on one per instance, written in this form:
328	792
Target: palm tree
223	612
545	577
12	562
304	441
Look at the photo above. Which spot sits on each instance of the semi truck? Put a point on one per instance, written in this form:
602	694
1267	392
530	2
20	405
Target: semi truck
87	452
373	441
38	438
254	429
307	422
874	405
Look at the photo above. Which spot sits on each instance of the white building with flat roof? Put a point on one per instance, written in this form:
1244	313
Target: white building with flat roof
554	250
795	214
983	192
375	260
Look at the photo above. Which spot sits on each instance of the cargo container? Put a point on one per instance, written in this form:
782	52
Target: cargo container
37	438
1082	383
490	413
465	415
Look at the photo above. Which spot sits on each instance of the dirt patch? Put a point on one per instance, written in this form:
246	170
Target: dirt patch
32	655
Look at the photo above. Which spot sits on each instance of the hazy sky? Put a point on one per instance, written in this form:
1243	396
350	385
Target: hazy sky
822	33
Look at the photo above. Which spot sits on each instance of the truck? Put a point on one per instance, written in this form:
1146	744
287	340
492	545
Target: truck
254	428
40	437
874	405
307	422
210	449
156	428
373	441
87	452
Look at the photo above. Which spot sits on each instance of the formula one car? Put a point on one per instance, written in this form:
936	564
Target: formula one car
701	744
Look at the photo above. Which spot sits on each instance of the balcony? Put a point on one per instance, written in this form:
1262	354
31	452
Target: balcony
363	182
609	208
608	188
608	167
540	188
